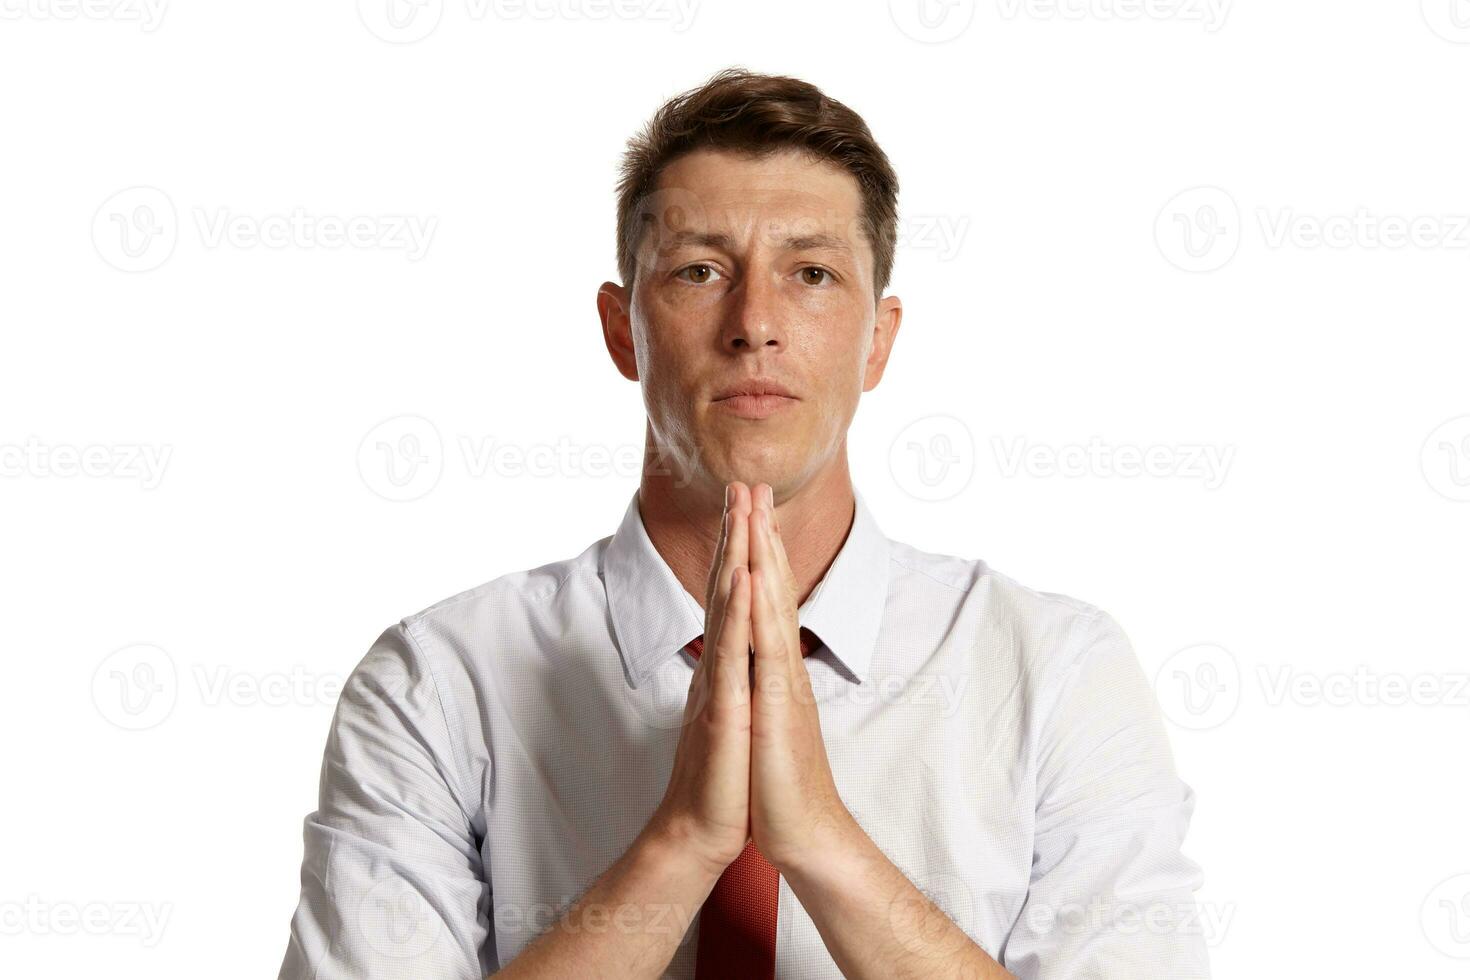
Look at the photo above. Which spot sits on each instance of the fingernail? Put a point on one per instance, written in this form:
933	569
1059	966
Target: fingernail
728	494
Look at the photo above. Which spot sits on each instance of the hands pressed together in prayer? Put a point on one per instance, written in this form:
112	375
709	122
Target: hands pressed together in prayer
751	764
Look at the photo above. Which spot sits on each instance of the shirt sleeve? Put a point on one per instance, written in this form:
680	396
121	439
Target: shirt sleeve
1111	894
392	883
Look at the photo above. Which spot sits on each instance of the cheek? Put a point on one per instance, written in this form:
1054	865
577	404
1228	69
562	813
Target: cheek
837	355
664	368
655	340
844	388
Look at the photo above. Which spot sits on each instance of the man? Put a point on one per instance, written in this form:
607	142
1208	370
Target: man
748	735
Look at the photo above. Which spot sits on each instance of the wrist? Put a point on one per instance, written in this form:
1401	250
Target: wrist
670	841
835	847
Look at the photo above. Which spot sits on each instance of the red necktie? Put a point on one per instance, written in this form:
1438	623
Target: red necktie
737	925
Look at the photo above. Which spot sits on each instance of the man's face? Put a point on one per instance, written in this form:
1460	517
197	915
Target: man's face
754	276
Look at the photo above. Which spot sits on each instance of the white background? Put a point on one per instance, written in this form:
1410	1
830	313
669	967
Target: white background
1183	232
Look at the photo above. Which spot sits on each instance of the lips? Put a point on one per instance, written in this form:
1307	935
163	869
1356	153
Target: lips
756	387
755	398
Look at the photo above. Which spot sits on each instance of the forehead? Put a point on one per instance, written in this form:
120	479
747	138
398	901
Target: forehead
729	192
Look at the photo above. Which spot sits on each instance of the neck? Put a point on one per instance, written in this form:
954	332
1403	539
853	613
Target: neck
683	522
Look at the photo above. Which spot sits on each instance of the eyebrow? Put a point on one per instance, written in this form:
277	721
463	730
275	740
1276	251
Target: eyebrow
794	243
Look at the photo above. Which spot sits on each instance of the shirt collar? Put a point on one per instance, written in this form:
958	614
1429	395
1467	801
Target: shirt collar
654	616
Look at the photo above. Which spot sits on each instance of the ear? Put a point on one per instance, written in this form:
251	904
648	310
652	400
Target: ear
614	306
885	329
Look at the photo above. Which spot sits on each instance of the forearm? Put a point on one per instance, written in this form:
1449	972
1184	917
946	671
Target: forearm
629	922
873	920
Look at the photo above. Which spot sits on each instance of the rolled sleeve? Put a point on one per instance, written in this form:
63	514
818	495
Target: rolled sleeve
392	883
1111	894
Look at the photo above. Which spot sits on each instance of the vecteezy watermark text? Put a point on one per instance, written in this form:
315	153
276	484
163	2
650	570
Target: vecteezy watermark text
147	14
1201	230
402	458
35	916
123	461
408	21
138	228
1202	686
408	233
1205	463
1209	13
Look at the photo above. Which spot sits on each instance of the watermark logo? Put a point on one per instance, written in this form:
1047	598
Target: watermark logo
136	229
1199	687
1198	230
924	924
401	458
1445	917
136	687
400	21
1201	229
1445	459
666	699
139	687
1202	687
1450	19
397	921
933	458
932	21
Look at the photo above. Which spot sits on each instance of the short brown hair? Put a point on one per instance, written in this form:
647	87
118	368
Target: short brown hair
755	114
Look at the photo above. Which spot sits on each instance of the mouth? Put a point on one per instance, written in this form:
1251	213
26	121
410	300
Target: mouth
756	398
754	406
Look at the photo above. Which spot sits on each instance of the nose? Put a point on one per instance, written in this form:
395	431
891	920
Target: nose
754	320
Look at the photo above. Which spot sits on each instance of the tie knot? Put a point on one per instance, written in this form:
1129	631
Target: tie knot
809	642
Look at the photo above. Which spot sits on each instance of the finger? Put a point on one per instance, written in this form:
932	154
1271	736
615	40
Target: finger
732	643
737	552
718	574
762	559
768	629
733	547
772	673
783	563
770	558
738	545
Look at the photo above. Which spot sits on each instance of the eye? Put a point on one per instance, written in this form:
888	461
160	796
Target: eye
699	273
823	276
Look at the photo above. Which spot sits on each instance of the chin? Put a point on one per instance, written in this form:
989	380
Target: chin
751	462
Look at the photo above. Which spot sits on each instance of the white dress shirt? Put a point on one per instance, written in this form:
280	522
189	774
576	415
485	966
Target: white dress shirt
495	753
